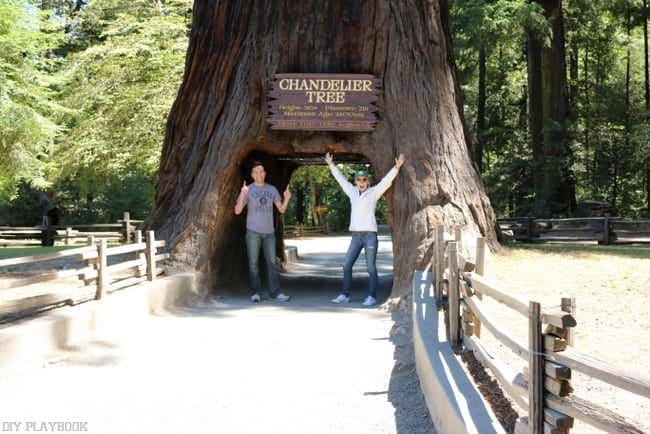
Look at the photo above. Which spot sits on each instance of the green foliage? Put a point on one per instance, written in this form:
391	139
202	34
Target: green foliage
497	27
26	207
609	150
122	85
318	181
27	107
611	158
116	71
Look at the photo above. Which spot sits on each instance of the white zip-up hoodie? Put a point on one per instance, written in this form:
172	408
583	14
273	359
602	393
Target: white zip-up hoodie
362	215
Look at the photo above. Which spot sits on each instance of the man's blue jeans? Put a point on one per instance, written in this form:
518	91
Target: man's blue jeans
368	242
255	241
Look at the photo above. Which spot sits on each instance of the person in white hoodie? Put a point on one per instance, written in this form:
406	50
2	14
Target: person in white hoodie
363	224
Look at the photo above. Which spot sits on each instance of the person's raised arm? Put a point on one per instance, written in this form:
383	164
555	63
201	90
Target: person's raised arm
347	187
387	180
241	203
282	206
399	161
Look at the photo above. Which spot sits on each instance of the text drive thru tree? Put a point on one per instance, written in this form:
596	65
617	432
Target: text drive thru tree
218	124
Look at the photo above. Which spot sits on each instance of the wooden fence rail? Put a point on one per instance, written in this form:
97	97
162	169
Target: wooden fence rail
544	388
98	269
47	235
604	230
304	230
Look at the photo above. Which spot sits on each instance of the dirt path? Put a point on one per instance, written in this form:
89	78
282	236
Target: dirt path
235	367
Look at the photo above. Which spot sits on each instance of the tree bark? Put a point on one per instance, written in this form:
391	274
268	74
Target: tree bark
559	183
217	125
480	110
536	112
646	70
552	157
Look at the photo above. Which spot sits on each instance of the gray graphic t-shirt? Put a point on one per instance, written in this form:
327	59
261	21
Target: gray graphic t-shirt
260	202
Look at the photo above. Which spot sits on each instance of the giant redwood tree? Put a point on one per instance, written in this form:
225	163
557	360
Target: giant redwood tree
218	124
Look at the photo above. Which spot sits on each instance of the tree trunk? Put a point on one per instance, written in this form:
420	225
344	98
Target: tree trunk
217	125
313	201
536	113
555	196
646	70
646	67
480	110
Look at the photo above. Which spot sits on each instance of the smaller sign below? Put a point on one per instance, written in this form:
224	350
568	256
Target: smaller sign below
330	102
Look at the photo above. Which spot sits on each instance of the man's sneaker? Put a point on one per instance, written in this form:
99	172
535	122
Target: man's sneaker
342	298
369	301
280	297
255	298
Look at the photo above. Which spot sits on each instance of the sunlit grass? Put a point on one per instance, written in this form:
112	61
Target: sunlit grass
13	252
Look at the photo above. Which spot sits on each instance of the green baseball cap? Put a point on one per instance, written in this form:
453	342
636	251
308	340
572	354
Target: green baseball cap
361	174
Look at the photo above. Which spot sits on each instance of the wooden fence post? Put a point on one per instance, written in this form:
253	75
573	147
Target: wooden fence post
529	229
440	260
606	235
126	227
102	275
458	232
47	233
535	369
454	295
569	305
68	236
432	262
480	270
480	256
142	269
151	256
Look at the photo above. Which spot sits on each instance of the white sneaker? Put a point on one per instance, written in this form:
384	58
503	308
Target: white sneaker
369	301
280	297
342	298
255	298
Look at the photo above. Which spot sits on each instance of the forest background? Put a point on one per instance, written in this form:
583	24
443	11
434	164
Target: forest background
86	87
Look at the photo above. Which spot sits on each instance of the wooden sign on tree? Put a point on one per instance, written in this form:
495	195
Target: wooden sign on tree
325	102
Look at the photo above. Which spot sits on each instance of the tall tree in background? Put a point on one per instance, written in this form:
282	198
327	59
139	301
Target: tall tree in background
218	123
124	65
607	82
27	104
646	75
489	41
549	116
483	38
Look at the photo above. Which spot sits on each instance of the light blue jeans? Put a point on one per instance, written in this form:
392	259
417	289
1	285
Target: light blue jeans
254	242
368	242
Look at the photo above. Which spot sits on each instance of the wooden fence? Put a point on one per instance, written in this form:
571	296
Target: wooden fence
47	235
96	270
604	230
544	388
304	230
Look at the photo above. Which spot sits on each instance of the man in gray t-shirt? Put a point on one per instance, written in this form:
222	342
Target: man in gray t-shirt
260	200
260	233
